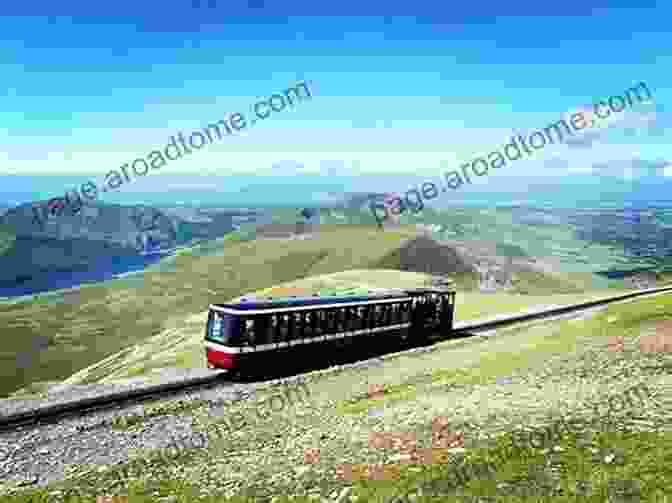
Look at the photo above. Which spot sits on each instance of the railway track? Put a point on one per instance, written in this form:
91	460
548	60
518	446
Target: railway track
55	412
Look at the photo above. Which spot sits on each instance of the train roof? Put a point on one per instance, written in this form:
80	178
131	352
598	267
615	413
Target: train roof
253	303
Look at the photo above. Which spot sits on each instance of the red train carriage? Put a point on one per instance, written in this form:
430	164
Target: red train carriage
250	334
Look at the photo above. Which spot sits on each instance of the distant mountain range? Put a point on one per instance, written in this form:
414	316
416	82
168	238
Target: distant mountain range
631	181
100	235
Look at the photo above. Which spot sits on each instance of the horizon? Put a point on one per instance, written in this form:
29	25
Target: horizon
392	95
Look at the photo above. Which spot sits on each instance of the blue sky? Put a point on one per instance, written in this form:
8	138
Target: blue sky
416	87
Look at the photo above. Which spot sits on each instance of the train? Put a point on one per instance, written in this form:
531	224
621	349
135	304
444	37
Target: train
256	333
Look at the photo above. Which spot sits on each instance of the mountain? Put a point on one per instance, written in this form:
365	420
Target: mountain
38	255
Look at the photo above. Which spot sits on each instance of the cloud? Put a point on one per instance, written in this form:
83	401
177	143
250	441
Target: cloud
191	186
556	163
667	169
634	168
586	140
646	119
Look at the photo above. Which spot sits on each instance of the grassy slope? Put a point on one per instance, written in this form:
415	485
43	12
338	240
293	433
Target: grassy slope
113	319
647	454
97	321
650	452
182	346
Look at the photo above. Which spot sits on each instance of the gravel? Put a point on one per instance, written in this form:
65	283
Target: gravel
63	394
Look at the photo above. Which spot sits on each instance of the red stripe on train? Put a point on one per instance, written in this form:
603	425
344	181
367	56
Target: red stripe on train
222	360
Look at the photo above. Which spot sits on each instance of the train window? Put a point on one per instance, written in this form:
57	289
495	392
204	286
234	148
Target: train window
299	326
356	317
396	313
339	316
373	316
407	312
283	328
307	324
289	327
333	321
248	335
314	323
382	316
224	328
324	322
261	328
341	319
361	318
319	322
216	327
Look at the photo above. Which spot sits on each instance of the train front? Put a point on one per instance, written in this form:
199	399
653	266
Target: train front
221	330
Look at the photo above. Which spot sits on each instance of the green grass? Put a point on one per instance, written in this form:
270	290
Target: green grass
626	319
473	305
641	466
647	455
507	471
99	320
641	469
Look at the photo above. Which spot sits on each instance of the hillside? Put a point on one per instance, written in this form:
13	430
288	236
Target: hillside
180	347
66	332
56	335
99	238
552	411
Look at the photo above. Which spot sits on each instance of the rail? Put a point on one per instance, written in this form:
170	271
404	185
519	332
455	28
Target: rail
81	406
